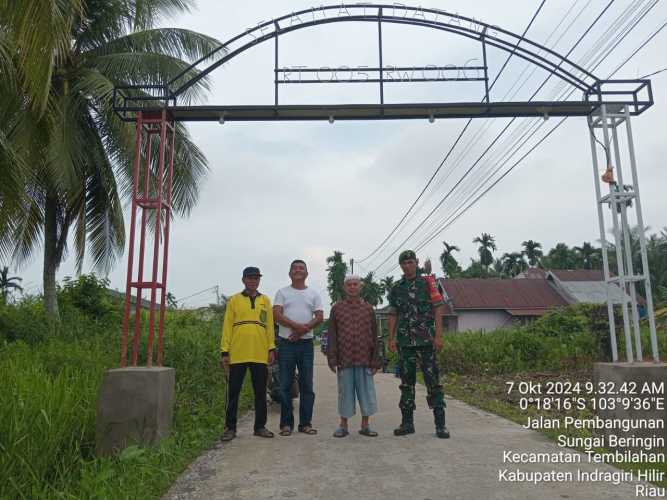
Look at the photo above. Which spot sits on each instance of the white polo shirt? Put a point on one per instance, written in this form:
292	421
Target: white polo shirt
299	306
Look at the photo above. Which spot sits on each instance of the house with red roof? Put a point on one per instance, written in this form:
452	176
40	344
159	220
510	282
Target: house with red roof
489	304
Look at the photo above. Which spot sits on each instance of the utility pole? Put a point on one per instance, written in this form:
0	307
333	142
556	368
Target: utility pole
351	266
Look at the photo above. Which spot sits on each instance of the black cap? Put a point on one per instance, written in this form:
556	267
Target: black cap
251	271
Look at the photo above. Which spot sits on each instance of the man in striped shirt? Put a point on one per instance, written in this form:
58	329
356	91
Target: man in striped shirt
247	343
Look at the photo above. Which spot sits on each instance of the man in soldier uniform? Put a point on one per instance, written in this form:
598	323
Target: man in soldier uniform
415	330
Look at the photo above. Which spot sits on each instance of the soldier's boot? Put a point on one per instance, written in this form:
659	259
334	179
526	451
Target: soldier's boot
440	429
407	424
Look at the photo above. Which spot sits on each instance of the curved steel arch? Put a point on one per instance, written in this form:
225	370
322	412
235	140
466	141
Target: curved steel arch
562	67
131	99
154	109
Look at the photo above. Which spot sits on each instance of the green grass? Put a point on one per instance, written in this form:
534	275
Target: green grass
50	381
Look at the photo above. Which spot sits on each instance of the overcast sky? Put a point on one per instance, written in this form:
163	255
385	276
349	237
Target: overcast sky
278	191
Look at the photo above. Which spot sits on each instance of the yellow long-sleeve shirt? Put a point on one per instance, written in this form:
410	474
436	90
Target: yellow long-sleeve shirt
247	332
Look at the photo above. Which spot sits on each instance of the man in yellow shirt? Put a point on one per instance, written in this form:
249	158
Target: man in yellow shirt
247	342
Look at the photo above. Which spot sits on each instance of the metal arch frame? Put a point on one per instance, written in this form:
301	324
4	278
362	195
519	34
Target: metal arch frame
481	35
155	111
130	99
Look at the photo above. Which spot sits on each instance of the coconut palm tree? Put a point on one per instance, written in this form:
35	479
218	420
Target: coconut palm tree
8	284
371	291
336	270
487	244
587	255
513	263
533	252
449	264
80	152
387	284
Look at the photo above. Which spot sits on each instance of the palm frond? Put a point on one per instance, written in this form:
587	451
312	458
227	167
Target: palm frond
106	20
133	68
66	149
104	215
26	230
176	42
40	30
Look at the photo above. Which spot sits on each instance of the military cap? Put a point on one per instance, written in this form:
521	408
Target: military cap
406	255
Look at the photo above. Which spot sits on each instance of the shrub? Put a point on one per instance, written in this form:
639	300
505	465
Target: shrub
88	293
47	416
26	321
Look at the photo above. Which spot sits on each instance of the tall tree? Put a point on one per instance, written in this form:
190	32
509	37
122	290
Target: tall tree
560	257
371	291
80	152
450	266
587	255
487	245
513	263
8	284
474	270
387	284
533	252
336	270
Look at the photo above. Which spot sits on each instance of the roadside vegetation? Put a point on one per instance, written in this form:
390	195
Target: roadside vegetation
561	346
51	372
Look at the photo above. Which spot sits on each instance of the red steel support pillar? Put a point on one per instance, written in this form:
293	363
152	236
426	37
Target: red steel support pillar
150	192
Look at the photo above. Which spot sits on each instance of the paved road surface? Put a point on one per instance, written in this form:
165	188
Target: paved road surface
416	467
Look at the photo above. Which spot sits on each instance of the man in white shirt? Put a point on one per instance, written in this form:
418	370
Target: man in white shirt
297	309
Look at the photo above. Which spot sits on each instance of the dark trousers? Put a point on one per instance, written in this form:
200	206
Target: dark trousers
258	373
296	355
408	360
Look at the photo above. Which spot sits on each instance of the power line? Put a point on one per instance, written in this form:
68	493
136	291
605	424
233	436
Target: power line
641	47
449	221
616	26
211	288
654	73
514	89
595	21
457	139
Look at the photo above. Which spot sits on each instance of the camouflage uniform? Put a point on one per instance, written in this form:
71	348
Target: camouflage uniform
415	331
413	301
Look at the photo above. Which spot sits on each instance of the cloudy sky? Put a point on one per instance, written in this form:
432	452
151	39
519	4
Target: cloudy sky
278	191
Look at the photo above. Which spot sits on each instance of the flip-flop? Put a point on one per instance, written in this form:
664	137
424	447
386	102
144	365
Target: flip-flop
307	429
285	431
264	432
340	432
367	431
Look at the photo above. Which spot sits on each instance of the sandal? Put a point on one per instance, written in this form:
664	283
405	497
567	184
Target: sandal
307	429
341	432
285	431
228	435
264	432
366	431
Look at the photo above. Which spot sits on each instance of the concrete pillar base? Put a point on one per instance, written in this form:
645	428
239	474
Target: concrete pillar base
635	382
135	406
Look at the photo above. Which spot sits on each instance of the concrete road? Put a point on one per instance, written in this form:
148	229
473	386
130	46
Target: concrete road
416	467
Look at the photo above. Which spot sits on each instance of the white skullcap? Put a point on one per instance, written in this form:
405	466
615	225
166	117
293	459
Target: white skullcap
351	277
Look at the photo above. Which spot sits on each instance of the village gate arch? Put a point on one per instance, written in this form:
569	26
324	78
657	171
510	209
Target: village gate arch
607	105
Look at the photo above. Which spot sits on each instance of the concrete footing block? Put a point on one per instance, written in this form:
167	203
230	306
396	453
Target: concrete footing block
643	386
135	406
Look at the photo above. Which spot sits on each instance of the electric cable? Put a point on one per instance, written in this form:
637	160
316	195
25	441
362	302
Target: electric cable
595	21
457	139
